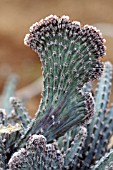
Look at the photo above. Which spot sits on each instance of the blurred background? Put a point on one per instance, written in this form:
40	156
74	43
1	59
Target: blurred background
16	16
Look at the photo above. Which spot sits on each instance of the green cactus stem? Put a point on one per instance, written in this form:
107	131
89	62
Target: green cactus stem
70	58
20	111
101	127
71	154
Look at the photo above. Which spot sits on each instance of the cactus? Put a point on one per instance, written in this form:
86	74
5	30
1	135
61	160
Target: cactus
105	163
20	111
100	129
71	129
63	47
38	155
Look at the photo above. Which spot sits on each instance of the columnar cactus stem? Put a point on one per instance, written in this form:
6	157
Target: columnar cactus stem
100	127
72	153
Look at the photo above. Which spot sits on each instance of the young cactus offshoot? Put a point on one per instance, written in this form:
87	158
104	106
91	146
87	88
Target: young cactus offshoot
63	134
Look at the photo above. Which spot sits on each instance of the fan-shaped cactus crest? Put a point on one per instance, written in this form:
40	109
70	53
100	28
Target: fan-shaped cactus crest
70	58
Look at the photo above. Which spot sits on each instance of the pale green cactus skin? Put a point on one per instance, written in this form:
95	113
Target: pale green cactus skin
71	129
105	163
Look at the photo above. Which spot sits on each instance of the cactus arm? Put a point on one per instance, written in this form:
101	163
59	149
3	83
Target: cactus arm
105	134
72	153
64	141
20	111
102	96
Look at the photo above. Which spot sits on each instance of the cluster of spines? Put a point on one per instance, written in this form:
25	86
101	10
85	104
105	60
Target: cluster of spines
52	25
10	132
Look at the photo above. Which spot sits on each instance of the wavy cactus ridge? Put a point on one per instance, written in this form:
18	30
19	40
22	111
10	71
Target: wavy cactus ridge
70	58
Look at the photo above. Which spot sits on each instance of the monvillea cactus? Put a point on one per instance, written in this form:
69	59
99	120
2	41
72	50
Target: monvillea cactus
71	129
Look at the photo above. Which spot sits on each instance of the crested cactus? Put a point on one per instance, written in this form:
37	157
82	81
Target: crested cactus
70	58
71	129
